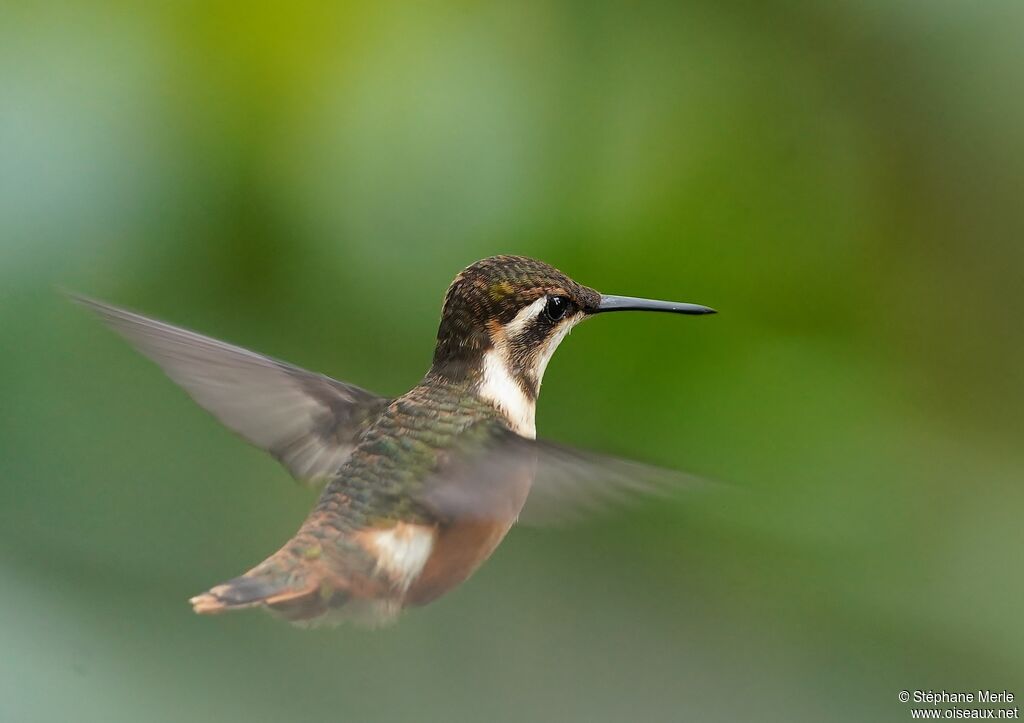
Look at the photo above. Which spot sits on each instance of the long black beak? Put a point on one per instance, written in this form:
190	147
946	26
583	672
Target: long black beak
629	303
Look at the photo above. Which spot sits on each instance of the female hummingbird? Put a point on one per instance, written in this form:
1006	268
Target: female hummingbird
418	490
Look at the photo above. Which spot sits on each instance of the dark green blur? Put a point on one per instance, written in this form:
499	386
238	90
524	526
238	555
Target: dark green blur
841	181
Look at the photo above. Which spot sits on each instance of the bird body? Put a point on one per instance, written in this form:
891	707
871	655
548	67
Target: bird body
372	535
420	489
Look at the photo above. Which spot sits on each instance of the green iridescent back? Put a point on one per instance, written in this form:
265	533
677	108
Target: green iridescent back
380	481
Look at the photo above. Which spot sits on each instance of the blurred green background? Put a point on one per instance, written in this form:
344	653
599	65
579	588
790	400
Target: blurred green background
843	181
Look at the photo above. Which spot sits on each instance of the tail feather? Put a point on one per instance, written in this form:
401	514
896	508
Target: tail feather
244	592
287	584
303	592
303	586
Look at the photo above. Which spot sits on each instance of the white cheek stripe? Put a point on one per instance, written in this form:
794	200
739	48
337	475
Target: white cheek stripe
521	320
498	385
553	342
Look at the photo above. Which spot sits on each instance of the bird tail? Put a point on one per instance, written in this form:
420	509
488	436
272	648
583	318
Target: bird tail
295	586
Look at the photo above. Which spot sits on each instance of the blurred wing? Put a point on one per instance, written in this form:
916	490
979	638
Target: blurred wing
572	484
568	484
308	421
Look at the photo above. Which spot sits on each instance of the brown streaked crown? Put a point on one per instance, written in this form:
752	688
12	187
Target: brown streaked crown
489	294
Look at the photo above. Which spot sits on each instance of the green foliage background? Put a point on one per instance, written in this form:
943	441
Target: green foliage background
843	181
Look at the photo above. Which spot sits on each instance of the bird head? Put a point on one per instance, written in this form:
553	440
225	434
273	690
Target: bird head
504	316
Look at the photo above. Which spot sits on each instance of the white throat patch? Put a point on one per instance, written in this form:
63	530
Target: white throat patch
501	388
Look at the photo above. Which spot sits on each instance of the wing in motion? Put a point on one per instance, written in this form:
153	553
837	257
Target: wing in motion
308	421
568	484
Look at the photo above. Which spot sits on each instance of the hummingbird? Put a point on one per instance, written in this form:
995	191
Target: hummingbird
419	489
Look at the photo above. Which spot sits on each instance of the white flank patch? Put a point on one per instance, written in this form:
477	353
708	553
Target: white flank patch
501	389
402	551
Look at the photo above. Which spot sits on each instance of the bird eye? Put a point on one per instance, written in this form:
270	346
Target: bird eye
556	307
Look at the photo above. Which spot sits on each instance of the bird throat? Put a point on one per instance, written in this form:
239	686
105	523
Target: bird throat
514	396
503	364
